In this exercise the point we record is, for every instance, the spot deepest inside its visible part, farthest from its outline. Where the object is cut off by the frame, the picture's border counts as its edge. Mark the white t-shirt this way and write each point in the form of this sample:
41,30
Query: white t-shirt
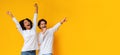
30,36
46,40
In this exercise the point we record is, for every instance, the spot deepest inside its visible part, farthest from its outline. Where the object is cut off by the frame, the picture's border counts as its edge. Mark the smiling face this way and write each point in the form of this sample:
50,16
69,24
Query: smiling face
42,23
27,24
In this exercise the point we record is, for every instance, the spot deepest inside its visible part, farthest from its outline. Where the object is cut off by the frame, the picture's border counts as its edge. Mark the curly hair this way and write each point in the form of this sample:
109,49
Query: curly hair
22,23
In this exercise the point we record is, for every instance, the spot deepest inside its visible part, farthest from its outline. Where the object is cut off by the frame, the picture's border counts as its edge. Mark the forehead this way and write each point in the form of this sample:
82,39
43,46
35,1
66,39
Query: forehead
42,22
26,21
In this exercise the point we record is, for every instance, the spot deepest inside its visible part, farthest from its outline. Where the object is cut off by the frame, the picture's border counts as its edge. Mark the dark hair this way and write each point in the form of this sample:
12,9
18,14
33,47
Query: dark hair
39,22
22,23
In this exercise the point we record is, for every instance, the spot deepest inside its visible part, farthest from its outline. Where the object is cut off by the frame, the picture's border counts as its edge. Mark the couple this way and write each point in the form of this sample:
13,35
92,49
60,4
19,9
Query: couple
32,41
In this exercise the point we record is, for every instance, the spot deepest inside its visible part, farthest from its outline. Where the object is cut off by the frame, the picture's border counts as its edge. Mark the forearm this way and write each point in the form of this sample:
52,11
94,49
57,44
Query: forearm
10,14
35,16
62,21
35,19
36,8
17,24
55,27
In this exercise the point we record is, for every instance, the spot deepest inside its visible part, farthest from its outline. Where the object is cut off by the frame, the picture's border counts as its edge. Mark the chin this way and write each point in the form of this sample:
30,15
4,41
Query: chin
29,27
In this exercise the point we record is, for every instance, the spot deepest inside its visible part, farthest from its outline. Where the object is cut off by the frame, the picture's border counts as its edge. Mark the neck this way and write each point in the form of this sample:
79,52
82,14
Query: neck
43,30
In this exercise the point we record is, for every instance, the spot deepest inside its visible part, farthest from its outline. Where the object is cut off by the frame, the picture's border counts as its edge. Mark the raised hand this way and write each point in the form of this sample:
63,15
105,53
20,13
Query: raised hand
64,20
36,6
10,14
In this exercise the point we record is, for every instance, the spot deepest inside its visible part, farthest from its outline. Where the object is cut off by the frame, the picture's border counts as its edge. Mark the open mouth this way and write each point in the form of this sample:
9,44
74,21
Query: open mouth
44,27
28,25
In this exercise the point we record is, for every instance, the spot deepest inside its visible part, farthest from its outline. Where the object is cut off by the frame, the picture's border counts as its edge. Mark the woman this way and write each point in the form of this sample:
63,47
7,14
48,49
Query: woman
28,31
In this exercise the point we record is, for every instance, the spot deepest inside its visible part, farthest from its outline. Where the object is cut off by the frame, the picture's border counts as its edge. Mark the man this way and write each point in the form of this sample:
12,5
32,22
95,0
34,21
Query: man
46,36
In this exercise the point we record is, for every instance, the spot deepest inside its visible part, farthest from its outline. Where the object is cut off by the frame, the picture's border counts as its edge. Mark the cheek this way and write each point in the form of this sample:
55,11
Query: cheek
28,22
41,25
25,24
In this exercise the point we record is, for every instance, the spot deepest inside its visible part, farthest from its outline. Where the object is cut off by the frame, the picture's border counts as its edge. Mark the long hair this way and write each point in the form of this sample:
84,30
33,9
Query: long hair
22,23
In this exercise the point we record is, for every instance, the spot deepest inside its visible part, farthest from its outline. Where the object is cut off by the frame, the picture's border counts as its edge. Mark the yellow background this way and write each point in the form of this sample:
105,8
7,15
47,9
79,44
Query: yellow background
92,27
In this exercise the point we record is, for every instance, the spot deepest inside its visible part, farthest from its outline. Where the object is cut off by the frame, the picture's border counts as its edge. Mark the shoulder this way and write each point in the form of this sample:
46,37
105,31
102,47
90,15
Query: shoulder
49,29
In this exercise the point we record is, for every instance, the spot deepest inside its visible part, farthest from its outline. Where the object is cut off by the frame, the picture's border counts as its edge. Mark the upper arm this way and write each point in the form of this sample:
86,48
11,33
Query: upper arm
35,20
17,25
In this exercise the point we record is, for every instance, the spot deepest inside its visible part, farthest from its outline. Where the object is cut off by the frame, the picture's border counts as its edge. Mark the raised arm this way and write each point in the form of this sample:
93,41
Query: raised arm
54,28
62,21
35,16
16,22
10,14
36,8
